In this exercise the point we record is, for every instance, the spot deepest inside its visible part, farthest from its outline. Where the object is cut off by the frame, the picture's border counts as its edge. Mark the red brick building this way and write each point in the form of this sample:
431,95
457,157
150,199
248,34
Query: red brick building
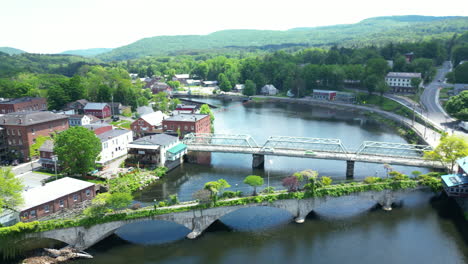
187,123
98,128
148,124
23,104
53,197
99,110
22,128
188,108
46,153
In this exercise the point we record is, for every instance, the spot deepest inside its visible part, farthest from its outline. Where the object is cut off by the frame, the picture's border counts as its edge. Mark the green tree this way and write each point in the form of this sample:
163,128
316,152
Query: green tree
457,105
224,83
377,66
254,181
34,148
205,109
448,151
77,149
10,190
108,202
56,97
215,187
461,73
326,180
173,84
249,88
415,82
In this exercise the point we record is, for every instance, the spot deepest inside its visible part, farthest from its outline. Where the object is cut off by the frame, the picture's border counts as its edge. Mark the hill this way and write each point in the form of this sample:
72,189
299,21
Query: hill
11,51
378,30
86,52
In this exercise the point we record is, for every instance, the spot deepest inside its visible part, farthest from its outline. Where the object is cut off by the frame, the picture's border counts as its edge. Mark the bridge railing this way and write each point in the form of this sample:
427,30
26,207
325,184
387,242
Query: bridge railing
306,144
392,149
220,140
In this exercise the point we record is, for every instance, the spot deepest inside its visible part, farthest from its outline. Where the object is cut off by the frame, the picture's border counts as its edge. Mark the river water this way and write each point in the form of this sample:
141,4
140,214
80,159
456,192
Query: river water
423,228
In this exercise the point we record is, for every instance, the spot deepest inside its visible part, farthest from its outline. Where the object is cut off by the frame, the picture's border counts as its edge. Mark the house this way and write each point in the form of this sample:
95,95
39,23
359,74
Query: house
269,89
46,155
158,87
456,185
155,150
324,95
77,106
143,110
148,124
99,110
118,108
22,128
345,97
400,82
459,87
23,104
409,57
238,88
191,82
82,120
182,78
114,144
186,108
209,83
53,197
187,123
98,128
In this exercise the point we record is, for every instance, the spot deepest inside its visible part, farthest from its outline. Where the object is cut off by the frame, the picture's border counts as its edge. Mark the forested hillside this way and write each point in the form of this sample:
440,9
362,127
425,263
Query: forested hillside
86,52
11,51
376,31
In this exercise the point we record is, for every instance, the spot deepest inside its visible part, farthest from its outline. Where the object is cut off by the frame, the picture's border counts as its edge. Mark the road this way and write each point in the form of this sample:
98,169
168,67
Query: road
30,178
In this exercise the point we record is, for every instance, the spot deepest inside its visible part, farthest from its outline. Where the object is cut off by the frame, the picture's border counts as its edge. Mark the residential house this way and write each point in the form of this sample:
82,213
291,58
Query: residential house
182,78
82,120
191,82
23,104
119,109
324,95
114,144
456,185
155,150
400,82
78,106
3,146
409,57
148,124
98,128
209,83
238,88
187,123
269,89
53,197
157,87
99,110
22,128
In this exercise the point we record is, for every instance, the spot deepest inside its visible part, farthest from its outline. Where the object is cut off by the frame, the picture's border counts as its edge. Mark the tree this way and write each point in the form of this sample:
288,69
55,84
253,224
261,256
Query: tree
448,151
215,187
249,88
205,109
291,182
173,84
224,83
108,202
10,190
377,66
456,105
461,73
77,149
203,195
56,97
34,148
371,83
326,180
415,82
254,181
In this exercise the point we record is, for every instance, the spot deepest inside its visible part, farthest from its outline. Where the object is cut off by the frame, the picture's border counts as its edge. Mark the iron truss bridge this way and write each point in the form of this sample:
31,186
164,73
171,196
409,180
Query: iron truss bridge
315,148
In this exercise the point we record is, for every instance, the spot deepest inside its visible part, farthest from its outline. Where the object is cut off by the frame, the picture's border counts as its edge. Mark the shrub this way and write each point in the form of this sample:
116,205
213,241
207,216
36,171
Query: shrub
326,181
270,189
173,199
371,180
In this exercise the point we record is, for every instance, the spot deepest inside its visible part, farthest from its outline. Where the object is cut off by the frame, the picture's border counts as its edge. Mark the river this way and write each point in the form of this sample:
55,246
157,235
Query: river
423,228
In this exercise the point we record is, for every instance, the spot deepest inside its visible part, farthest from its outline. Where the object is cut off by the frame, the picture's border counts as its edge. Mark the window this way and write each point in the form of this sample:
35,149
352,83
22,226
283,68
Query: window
46,208
33,131
185,127
61,203
75,197
33,213
25,214
165,126
192,127
88,192
13,132
19,132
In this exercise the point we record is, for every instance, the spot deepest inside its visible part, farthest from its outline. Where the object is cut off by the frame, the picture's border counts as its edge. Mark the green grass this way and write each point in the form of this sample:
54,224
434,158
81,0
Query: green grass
122,124
444,93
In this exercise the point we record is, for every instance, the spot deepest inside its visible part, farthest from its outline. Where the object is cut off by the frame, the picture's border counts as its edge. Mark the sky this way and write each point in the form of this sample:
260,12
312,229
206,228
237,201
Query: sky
53,26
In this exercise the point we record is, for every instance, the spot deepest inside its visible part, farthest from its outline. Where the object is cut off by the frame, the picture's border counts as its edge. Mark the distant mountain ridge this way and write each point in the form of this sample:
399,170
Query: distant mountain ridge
11,51
86,52
377,30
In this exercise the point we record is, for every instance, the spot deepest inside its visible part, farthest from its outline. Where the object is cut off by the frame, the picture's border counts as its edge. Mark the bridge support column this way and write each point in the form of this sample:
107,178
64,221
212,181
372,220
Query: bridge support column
258,161
349,168
387,200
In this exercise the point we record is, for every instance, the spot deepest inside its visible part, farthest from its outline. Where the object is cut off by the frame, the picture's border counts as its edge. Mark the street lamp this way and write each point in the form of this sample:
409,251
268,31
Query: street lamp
54,158
268,173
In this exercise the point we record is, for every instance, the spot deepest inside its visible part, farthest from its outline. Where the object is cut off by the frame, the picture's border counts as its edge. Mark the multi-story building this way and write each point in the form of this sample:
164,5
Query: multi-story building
46,155
99,110
400,82
456,185
53,197
114,144
148,124
23,104
22,128
3,147
187,123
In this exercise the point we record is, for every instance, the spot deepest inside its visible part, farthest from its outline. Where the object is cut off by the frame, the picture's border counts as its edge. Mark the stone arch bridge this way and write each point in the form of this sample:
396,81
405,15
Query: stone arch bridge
198,220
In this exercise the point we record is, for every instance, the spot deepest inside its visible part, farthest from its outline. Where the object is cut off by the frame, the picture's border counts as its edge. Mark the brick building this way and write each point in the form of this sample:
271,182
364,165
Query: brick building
188,108
148,124
99,110
187,123
55,196
46,153
98,128
23,104
22,128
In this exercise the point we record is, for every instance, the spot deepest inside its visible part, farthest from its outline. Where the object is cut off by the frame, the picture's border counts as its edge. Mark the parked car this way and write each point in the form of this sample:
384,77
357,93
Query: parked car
115,118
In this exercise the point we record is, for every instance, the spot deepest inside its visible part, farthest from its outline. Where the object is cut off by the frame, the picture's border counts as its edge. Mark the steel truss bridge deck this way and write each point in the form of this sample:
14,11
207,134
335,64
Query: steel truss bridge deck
315,148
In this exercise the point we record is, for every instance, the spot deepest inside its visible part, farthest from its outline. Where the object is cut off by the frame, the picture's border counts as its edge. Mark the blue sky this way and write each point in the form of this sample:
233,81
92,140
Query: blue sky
51,26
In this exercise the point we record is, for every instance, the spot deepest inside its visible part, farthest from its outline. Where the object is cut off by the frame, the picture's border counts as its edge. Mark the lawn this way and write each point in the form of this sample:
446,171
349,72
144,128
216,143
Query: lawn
122,124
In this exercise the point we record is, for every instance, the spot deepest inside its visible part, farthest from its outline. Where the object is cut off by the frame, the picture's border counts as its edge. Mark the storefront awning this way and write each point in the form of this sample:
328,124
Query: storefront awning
177,148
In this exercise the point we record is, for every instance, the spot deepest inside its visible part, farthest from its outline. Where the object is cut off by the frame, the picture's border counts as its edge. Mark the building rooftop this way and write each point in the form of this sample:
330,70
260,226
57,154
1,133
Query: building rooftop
95,106
108,135
47,146
52,191
143,110
96,126
154,118
19,100
452,180
187,117
182,76
404,75
29,118
158,139
323,91
186,106
463,164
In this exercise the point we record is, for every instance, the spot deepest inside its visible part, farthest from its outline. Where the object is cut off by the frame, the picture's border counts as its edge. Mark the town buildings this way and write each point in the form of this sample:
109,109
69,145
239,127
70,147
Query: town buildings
156,150
182,78
82,120
269,89
119,109
53,197
324,95
187,123
22,128
23,104
456,185
400,82
78,106
98,128
190,109
148,124
99,110
47,158
114,144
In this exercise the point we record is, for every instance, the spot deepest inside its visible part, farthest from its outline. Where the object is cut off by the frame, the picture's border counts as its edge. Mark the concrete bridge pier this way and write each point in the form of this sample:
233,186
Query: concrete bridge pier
387,200
258,161
350,169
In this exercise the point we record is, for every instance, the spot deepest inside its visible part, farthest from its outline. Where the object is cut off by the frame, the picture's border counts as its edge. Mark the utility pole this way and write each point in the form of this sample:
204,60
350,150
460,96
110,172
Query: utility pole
54,158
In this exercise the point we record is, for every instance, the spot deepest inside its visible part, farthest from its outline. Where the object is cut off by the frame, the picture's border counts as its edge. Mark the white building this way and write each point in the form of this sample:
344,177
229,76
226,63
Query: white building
114,144
81,120
400,82
269,89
